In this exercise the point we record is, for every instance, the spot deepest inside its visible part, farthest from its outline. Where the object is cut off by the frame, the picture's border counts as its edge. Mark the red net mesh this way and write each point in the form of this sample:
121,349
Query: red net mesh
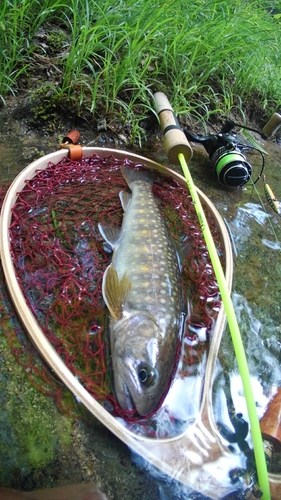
60,259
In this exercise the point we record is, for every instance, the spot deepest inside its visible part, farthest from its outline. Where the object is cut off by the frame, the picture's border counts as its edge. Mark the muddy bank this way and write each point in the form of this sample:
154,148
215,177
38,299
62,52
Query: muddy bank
24,137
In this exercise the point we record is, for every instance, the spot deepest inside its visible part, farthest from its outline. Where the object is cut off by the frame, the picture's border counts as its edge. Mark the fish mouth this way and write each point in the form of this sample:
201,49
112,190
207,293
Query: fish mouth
124,394
130,396
127,401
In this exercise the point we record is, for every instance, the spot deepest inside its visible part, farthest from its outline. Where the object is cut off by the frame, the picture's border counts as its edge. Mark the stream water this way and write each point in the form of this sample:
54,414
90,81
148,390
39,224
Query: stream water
60,450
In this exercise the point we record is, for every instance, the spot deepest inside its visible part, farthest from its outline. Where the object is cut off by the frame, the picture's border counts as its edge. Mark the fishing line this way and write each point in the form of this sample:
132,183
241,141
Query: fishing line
173,144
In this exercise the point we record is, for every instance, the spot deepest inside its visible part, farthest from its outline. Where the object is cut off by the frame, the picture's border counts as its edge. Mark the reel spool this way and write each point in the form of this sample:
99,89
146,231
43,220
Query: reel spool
231,167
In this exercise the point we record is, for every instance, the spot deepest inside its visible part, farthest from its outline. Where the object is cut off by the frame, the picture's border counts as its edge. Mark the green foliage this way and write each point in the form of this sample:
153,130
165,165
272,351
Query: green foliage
207,55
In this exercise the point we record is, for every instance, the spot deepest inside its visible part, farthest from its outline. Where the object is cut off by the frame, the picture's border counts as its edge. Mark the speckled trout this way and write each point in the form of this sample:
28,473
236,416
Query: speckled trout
142,289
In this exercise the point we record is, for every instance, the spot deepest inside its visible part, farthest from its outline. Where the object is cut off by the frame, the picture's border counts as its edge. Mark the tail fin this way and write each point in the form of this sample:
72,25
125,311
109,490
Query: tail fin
132,175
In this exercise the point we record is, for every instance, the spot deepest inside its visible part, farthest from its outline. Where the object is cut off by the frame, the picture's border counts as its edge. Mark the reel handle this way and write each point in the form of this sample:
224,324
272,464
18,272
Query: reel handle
174,139
272,125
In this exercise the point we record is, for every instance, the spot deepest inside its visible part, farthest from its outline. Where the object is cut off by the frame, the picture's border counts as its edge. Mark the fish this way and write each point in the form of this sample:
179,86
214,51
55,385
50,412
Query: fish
142,289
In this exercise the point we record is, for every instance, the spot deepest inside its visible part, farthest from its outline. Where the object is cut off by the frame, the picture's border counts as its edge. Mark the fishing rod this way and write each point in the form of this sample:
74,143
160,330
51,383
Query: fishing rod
179,152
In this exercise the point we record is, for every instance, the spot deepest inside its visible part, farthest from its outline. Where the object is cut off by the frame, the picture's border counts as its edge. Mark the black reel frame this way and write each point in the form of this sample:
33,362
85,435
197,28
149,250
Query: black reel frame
227,154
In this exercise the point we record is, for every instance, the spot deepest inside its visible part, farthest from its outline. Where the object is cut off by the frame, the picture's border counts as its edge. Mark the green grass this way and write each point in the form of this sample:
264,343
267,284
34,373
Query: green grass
209,56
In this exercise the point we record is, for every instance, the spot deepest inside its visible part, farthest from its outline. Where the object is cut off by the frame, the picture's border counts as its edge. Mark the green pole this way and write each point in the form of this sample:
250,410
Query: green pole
235,334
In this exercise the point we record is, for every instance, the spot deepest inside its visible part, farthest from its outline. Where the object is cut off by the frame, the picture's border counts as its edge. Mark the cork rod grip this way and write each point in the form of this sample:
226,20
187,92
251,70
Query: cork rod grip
272,125
174,138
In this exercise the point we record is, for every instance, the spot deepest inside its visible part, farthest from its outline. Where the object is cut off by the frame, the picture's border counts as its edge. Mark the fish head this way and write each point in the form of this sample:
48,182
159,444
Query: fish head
141,363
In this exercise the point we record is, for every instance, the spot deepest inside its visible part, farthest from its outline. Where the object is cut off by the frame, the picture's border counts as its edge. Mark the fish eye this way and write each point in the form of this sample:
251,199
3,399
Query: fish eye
147,375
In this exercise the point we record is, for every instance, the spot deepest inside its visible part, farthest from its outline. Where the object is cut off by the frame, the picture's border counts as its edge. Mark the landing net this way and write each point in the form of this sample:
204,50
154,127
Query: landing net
60,258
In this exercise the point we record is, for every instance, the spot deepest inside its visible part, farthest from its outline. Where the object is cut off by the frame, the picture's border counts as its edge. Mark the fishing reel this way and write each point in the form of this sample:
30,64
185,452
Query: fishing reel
227,154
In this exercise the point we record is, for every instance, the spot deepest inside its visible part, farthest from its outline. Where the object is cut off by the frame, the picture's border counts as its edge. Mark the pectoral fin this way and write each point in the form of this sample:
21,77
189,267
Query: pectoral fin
114,291
110,234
